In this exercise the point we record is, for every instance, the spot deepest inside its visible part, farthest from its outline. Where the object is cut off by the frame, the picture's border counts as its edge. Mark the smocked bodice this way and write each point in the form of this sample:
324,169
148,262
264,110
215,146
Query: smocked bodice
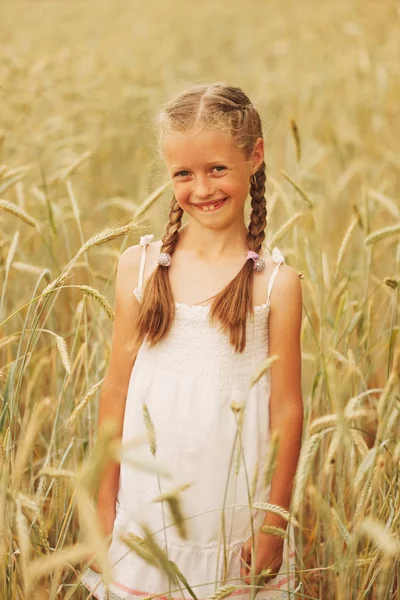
194,347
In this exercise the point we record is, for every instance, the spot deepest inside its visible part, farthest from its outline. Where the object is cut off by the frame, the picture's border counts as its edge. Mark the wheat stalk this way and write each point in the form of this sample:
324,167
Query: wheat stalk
143,208
386,542
24,449
43,566
21,523
79,408
285,228
331,420
359,442
158,552
382,234
274,530
56,283
345,244
344,532
172,498
362,500
278,510
8,339
63,350
12,251
18,212
138,545
262,369
151,434
307,455
27,268
386,202
66,172
388,389
270,462
299,189
391,282
107,235
296,137
102,300
55,472
223,592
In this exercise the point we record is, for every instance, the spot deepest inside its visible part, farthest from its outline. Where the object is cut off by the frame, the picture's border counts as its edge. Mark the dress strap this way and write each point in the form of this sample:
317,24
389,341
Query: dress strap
144,242
280,259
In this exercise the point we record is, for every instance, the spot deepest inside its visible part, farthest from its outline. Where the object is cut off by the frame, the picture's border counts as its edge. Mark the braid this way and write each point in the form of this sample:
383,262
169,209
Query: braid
174,224
233,304
258,217
157,310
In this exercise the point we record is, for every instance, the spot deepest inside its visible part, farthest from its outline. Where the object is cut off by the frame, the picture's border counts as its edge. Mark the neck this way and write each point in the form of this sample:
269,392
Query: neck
214,244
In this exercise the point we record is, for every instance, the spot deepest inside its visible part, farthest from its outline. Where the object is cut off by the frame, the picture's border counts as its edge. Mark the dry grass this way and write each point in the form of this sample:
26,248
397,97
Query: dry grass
80,83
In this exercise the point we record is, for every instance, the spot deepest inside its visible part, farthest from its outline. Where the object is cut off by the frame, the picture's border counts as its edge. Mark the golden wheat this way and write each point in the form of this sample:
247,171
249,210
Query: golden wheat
18,212
82,181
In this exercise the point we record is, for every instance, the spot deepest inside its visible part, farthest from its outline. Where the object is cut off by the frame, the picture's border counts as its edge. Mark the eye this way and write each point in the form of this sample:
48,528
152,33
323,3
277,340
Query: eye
181,174
219,167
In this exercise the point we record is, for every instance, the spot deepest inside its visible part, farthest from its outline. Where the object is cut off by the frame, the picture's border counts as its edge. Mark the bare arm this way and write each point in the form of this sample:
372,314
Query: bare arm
286,404
122,358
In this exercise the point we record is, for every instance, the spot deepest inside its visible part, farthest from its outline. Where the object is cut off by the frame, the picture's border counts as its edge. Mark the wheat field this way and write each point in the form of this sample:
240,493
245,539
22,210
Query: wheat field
80,181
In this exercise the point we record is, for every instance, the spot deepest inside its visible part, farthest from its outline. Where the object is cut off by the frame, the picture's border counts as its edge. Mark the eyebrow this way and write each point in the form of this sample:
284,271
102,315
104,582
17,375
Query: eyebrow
213,162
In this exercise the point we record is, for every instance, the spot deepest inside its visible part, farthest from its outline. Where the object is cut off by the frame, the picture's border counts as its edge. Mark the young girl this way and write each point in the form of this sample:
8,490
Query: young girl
208,306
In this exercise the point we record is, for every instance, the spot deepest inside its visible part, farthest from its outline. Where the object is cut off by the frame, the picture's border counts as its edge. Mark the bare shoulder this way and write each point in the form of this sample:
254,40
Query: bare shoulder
130,256
128,269
286,293
288,280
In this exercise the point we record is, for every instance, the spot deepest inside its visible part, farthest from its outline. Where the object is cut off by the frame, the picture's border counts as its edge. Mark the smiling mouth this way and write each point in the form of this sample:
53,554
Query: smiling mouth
211,206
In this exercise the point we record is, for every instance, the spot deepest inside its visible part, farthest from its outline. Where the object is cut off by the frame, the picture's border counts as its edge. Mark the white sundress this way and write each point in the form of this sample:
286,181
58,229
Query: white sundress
189,381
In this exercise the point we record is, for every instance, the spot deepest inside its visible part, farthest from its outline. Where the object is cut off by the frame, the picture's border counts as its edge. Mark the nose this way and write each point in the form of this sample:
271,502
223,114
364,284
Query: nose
204,187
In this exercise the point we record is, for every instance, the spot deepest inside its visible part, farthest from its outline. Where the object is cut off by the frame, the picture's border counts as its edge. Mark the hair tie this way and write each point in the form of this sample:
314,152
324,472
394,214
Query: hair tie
164,259
259,263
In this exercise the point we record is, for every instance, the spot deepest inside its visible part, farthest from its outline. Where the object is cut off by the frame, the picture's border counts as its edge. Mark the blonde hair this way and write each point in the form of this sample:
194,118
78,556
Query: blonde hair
228,109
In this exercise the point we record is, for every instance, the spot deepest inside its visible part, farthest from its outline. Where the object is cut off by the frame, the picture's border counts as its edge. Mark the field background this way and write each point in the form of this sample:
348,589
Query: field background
80,83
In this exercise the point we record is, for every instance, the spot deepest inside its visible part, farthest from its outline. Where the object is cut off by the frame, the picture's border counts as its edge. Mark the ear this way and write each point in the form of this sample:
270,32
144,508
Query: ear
258,155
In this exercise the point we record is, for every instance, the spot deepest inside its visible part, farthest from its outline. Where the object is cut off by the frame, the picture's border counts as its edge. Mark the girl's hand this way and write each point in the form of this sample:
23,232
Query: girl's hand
96,568
269,550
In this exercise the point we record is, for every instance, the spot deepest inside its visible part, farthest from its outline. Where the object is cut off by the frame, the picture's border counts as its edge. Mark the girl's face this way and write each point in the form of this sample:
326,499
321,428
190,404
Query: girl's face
210,175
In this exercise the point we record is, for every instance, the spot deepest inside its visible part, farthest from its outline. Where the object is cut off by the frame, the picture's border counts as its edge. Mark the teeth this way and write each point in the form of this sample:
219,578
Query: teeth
209,207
